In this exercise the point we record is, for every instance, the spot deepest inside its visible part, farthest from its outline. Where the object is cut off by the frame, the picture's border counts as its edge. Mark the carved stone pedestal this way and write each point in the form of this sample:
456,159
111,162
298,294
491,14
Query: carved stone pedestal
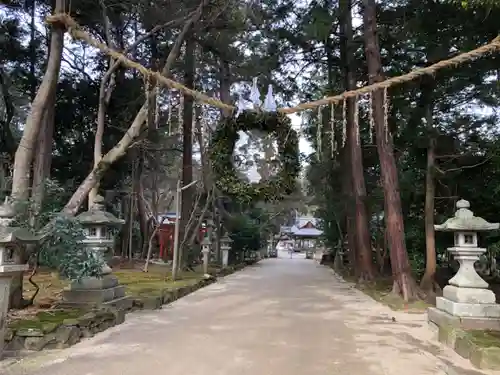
95,293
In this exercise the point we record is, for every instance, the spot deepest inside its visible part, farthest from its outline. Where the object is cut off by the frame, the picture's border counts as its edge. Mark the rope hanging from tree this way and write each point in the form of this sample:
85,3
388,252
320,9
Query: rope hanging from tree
356,121
370,117
386,115
169,114
77,33
344,122
333,141
319,131
180,114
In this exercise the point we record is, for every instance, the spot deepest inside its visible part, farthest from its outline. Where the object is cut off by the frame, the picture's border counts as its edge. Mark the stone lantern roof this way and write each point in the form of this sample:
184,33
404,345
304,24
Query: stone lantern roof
464,220
98,215
10,234
206,241
225,238
13,234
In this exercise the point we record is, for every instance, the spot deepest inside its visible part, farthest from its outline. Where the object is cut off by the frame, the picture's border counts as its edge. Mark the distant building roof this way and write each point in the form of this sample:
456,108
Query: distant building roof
306,232
303,220
166,217
285,229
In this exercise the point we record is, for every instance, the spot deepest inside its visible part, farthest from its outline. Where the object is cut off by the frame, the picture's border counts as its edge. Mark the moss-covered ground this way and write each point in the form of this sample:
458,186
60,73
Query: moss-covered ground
485,339
138,284
45,320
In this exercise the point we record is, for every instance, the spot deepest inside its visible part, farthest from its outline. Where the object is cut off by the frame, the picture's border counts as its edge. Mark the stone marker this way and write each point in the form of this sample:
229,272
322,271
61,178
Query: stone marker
206,246
225,247
466,302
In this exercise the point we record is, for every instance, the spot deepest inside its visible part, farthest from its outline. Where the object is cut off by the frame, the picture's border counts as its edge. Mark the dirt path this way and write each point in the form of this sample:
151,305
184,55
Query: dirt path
280,317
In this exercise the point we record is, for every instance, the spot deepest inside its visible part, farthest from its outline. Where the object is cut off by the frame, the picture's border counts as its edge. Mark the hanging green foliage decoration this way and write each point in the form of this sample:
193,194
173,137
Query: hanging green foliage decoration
221,155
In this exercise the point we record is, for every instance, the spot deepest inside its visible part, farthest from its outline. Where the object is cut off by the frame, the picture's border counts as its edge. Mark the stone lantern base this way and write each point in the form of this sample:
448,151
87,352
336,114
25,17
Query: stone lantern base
466,302
441,318
6,274
93,292
467,308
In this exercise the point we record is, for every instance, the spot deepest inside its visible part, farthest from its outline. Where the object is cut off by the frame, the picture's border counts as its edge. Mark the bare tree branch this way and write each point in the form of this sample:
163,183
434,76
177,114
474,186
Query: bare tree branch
135,128
464,167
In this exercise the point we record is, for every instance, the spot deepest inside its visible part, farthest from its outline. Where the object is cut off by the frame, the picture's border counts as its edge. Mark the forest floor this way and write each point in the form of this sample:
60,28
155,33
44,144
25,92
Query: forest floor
381,291
280,316
137,283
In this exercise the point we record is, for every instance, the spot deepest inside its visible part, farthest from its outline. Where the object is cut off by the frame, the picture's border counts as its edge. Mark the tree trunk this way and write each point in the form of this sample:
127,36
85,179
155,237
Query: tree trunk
349,212
33,54
154,166
43,157
225,85
125,229
138,197
187,140
404,283
99,134
40,115
363,248
41,172
105,91
428,282
25,151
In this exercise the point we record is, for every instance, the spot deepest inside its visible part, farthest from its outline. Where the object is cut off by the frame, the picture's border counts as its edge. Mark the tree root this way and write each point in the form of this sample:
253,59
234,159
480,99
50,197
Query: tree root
34,271
405,286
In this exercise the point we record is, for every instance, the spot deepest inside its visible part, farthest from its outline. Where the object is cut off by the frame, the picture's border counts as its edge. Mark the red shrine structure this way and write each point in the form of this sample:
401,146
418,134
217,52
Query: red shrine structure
166,234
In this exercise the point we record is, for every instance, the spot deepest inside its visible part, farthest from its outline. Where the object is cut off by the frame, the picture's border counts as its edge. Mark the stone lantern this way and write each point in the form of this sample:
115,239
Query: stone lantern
11,239
270,245
466,301
225,244
210,233
99,226
206,246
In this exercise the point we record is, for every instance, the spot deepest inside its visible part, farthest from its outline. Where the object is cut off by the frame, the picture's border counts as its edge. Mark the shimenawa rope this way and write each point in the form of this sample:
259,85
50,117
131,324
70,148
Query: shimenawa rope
76,32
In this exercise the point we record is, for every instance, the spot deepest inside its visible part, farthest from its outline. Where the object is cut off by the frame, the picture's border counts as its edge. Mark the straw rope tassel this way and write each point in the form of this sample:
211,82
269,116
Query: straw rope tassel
169,116
319,131
371,119
356,120
333,143
180,113
146,96
157,105
194,119
386,115
344,122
